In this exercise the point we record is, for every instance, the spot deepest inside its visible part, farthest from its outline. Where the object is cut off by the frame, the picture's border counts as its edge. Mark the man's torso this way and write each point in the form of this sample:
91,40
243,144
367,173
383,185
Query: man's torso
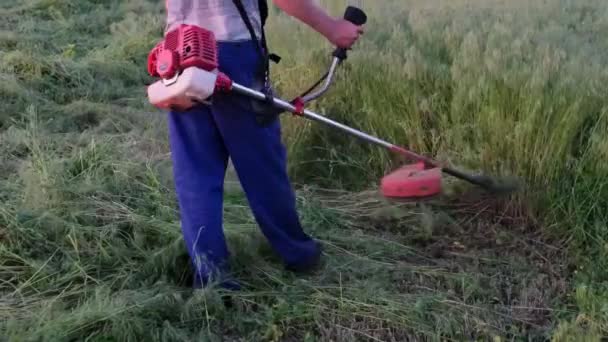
220,16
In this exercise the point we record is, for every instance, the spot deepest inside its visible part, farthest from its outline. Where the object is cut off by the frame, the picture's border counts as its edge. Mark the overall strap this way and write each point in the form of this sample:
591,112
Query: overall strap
267,113
260,43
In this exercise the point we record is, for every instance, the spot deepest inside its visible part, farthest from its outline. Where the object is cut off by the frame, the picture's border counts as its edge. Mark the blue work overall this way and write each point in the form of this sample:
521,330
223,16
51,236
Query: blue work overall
201,140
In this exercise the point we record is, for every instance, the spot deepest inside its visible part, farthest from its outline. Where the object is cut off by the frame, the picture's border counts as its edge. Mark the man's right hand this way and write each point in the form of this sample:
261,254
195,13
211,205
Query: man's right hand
344,34
340,32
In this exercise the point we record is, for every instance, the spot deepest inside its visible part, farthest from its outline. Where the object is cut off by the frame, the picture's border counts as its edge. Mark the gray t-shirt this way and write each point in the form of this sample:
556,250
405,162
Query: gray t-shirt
218,16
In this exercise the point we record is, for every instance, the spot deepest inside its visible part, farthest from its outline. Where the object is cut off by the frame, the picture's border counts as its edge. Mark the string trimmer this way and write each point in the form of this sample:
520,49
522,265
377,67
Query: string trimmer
186,62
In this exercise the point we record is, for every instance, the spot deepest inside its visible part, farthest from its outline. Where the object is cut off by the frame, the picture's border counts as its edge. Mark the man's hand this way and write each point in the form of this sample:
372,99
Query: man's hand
338,31
344,34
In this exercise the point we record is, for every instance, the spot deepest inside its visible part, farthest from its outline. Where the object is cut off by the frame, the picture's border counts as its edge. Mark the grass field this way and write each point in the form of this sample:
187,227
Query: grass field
90,244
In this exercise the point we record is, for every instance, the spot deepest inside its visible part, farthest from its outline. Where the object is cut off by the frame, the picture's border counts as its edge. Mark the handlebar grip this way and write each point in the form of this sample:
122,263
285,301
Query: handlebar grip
356,16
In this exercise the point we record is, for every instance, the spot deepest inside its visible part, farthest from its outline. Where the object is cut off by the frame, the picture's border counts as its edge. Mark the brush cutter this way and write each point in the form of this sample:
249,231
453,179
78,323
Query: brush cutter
186,62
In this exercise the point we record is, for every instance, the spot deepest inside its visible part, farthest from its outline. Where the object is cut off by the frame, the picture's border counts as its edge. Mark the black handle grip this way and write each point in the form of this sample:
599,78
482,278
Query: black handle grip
356,16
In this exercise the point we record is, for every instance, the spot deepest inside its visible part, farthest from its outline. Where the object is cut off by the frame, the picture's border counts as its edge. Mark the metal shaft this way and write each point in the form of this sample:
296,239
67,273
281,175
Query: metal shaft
369,138
311,115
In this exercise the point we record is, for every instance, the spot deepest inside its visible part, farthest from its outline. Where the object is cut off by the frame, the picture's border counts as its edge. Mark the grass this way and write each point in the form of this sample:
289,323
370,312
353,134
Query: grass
90,245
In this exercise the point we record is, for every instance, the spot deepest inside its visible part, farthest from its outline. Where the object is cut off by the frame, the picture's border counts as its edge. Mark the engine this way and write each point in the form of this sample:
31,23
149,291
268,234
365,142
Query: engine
186,62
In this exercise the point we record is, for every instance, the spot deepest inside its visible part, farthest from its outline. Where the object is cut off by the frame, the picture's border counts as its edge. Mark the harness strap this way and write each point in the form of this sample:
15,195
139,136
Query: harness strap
245,17
260,43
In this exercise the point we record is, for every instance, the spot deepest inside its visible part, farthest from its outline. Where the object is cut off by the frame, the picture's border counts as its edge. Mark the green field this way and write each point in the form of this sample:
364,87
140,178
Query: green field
90,242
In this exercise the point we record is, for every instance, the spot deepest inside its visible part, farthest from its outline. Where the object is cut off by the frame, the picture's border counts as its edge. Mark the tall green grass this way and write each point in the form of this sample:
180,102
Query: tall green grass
89,237
504,87
508,87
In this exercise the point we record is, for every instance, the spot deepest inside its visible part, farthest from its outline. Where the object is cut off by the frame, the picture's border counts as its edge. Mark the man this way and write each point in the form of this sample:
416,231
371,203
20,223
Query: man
203,138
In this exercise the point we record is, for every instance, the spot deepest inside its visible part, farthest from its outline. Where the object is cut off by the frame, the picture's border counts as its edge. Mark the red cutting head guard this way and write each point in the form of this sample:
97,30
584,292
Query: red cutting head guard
412,181
184,47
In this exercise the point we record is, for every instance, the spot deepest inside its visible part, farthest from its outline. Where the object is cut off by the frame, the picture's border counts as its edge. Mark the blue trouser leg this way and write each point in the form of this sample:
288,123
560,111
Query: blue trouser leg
199,162
201,140
260,160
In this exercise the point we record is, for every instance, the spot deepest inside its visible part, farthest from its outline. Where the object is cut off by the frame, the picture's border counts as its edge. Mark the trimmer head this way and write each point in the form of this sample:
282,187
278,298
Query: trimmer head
412,181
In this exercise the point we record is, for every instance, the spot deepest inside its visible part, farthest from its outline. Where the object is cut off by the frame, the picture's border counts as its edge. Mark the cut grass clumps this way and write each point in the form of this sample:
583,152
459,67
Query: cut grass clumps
104,259
99,255
60,58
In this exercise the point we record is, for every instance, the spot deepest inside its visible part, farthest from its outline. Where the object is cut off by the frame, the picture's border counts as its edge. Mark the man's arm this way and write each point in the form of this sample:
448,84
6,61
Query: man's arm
338,31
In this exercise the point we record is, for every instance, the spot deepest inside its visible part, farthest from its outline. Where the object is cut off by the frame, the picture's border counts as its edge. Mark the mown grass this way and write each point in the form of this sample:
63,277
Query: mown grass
90,246
92,249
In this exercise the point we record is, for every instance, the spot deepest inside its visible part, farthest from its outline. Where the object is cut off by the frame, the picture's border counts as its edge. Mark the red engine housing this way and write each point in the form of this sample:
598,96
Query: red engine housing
184,47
